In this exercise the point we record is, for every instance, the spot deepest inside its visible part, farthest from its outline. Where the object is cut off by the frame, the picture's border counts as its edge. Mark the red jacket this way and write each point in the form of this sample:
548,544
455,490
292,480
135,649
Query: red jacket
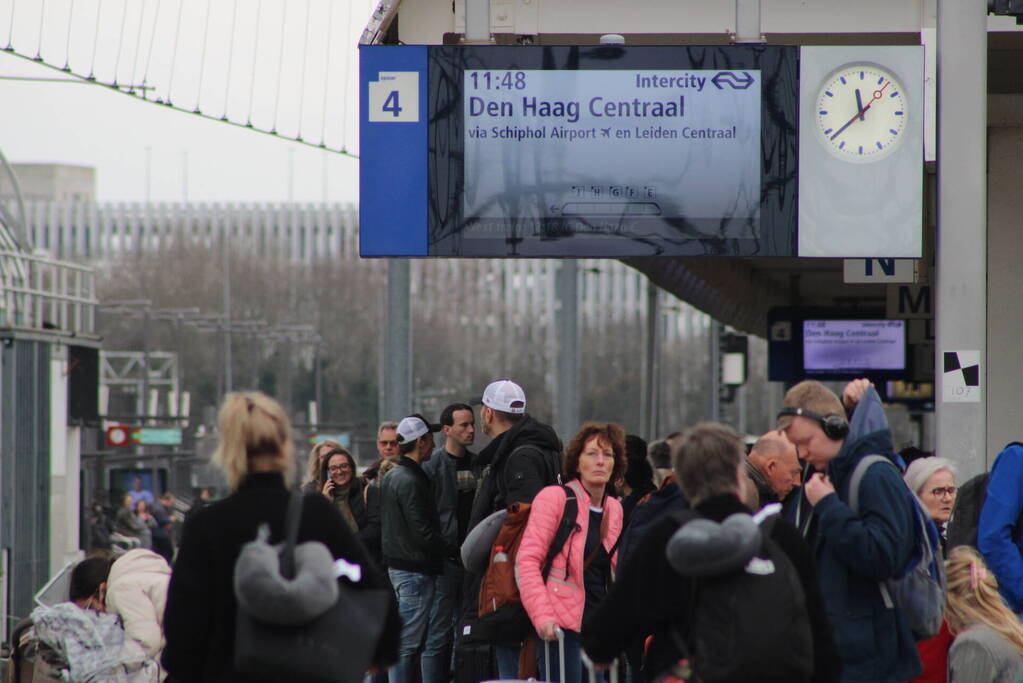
562,598
934,656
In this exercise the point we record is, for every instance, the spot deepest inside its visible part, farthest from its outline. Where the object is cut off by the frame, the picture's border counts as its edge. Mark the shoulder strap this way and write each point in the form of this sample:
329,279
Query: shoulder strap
565,529
857,478
291,521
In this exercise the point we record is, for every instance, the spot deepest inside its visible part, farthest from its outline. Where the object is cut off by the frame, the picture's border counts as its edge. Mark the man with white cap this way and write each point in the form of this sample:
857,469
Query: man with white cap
413,546
524,456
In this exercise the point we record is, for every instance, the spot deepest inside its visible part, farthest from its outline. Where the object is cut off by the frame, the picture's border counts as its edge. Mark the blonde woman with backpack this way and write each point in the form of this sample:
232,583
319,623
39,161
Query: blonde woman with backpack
988,643
255,454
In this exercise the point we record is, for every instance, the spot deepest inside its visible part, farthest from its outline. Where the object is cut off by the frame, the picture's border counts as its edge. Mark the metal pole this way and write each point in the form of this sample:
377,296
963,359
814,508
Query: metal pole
714,339
747,22
648,403
396,401
226,267
567,391
961,254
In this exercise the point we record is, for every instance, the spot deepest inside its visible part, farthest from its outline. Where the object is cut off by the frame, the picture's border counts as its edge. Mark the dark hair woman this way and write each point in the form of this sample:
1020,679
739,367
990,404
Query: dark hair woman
256,456
355,499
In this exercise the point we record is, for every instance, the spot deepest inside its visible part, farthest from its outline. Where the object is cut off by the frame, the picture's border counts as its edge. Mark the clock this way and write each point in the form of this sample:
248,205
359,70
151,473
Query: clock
861,113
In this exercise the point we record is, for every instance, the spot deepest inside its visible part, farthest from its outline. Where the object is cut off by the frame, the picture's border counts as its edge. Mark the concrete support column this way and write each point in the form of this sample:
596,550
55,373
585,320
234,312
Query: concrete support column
961,255
396,385
567,390
650,405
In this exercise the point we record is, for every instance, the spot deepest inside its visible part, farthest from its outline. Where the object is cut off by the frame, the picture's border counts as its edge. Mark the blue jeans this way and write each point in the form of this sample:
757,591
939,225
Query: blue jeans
437,659
507,657
573,665
414,592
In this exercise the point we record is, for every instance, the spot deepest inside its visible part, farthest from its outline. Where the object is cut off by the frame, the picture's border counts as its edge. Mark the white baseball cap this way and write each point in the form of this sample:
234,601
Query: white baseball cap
413,427
506,396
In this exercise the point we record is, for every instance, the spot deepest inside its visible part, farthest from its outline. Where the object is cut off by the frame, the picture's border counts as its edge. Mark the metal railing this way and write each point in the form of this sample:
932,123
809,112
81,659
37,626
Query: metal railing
40,292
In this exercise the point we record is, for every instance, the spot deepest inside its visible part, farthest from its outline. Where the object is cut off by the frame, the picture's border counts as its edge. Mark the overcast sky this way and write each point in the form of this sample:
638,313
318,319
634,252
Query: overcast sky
295,70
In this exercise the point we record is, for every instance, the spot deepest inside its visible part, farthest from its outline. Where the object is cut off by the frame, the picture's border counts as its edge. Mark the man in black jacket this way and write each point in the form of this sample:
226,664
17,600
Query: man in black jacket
414,548
524,456
651,598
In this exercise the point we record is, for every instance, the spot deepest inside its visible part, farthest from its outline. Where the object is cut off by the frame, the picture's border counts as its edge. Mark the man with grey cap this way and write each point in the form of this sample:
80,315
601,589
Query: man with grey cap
413,546
524,456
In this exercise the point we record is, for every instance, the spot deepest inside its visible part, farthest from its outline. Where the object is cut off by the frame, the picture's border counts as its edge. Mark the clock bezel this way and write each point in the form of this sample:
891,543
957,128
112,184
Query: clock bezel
848,156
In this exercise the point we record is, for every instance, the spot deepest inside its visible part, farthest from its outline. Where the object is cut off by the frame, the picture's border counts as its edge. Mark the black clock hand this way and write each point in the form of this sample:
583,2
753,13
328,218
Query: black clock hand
859,114
859,103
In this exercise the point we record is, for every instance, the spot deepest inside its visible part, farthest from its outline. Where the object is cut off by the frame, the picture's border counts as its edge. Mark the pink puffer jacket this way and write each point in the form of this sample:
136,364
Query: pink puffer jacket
562,598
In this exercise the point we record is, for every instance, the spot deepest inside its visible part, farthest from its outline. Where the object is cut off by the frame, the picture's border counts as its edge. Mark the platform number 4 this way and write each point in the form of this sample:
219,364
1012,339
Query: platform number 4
394,97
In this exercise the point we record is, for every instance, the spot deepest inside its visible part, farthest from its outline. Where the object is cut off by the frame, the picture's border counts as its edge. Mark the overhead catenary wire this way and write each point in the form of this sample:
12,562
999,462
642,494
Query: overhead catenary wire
255,53
280,70
326,75
120,42
230,58
202,61
305,59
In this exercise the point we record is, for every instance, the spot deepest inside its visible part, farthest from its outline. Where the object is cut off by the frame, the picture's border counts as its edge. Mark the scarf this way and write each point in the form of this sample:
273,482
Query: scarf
341,501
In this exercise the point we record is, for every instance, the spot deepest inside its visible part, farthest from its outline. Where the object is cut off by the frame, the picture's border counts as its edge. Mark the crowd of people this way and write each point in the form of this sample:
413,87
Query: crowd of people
698,556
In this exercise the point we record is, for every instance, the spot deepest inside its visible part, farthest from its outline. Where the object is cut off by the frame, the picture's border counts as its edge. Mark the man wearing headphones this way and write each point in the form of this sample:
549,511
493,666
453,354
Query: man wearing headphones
855,552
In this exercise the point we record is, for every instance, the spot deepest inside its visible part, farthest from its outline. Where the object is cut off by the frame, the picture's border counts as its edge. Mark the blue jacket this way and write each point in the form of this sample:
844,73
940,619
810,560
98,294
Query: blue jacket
855,552
1002,507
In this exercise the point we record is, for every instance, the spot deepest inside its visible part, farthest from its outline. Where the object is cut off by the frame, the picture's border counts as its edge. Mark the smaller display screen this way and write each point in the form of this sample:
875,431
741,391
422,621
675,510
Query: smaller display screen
831,346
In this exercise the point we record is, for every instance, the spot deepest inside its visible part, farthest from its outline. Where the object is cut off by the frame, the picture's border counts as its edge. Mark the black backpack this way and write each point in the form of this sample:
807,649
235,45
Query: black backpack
962,528
748,622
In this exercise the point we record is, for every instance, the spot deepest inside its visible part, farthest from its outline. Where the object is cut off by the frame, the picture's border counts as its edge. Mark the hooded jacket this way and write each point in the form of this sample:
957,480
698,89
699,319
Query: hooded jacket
137,591
522,461
854,553
650,598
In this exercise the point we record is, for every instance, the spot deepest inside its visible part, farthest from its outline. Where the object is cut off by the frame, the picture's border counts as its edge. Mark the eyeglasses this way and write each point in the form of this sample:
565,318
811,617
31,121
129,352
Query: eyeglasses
943,491
387,443
339,468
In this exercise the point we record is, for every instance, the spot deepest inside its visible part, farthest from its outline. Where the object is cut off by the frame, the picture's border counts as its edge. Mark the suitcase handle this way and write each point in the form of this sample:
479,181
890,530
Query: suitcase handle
591,668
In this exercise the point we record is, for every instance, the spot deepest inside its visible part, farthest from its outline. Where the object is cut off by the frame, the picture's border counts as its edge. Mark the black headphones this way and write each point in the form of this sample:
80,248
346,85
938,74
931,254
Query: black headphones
835,427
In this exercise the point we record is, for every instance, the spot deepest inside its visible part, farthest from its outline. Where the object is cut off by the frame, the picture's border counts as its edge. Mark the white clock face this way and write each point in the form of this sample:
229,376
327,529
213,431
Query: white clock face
861,113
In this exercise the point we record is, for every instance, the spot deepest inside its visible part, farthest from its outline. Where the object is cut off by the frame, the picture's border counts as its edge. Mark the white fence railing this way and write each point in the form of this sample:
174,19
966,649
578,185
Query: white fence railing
44,293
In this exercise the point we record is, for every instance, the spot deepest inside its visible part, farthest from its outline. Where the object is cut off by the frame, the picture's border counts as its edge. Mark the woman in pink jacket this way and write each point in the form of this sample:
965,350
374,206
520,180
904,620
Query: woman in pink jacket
581,573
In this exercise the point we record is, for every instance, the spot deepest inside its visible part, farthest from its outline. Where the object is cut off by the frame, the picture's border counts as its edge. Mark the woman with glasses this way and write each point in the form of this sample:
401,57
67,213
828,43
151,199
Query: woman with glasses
355,499
316,466
933,480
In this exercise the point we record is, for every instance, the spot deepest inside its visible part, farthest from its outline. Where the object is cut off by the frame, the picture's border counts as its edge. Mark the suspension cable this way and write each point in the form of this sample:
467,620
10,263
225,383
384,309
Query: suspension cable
230,58
305,57
280,70
255,53
120,42
152,41
174,55
42,22
67,47
326,74
95,41
348,68
138,43
202,61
